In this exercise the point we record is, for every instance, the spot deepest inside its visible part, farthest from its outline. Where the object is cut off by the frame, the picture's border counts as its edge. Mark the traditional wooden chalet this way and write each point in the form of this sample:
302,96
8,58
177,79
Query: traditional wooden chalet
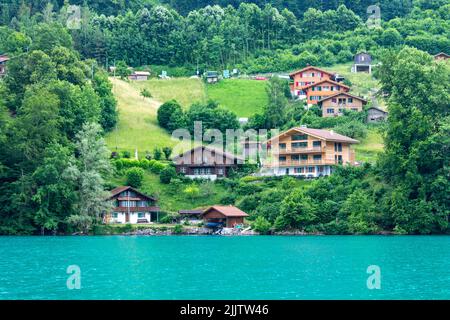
316,92
308,152
205,162
307,76
362,63
139,76
223,216
441,56
3,60
335,105
132,206
376,115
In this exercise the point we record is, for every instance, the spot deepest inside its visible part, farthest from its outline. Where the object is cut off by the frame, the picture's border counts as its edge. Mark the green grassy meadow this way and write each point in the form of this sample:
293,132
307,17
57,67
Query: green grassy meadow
137,127
243,97
369,148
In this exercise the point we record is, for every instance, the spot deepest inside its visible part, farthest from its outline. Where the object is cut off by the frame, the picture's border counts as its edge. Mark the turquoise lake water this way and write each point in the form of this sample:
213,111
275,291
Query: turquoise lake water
207,267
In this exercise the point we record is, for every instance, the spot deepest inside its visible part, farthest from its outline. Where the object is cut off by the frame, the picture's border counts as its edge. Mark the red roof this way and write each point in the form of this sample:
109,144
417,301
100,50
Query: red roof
310,67
227,211
326,80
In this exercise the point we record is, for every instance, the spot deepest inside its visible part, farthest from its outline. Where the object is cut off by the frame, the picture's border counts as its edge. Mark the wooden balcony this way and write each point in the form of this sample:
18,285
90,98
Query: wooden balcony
300,150
293,163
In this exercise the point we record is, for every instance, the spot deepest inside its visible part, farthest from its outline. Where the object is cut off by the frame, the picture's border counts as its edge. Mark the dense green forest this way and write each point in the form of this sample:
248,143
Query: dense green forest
56,104
274,36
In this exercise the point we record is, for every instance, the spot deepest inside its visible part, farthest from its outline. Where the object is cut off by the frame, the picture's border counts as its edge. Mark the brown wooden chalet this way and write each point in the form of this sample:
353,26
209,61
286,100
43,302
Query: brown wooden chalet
206,163
132,206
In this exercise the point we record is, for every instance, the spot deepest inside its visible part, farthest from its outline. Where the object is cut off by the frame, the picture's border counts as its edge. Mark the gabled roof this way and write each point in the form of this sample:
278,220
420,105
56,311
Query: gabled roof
210,149
320,134
442,54
384,111
310,67
119,190
346,94
326,80
227,211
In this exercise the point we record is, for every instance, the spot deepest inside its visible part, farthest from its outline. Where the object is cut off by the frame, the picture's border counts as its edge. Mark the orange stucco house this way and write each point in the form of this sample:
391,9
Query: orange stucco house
335,105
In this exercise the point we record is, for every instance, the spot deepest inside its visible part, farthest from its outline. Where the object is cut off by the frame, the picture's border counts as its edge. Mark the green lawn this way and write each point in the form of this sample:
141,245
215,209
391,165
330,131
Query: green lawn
243,97
185,90
370,147
137,127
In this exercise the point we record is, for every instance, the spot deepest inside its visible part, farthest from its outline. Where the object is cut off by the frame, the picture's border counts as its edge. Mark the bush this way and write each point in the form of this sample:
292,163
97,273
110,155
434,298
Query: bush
167,174
165,111
135,176
261,225
126,154
352,129
157,154
178,229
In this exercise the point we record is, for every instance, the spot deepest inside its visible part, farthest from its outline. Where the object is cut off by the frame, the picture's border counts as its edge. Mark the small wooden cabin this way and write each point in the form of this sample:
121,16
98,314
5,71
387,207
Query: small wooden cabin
139,76
211,77
441,56
376,115
226,216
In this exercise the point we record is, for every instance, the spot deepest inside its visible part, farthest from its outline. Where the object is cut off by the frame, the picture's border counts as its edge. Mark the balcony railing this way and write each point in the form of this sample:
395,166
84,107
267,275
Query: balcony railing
299,150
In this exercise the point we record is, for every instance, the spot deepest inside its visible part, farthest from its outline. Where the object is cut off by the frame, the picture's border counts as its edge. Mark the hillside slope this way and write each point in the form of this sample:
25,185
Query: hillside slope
137,127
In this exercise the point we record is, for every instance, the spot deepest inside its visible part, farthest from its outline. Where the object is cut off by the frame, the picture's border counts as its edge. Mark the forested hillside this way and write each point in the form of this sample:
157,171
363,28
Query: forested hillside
57,105
274,36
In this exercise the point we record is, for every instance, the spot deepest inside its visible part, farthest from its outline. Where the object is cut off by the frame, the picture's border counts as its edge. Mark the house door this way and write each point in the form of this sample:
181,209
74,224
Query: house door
287,171
127,217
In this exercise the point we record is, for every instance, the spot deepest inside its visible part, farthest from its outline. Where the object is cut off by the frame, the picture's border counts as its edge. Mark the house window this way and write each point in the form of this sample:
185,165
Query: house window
304,157
311,169
338,147
299,144
141,215
338,158
220,171
282,158
297,137
320,169
319,88
330,110
350,100
282,145
183,169
317,143
354,109
295,157
115,215
317,157
333,100
299,170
